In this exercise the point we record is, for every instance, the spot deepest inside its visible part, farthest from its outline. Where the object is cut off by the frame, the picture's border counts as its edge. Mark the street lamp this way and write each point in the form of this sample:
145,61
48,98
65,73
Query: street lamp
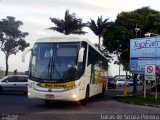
136,30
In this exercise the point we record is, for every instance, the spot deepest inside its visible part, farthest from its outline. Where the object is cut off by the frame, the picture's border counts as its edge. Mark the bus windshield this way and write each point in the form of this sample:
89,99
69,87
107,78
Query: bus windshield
54,62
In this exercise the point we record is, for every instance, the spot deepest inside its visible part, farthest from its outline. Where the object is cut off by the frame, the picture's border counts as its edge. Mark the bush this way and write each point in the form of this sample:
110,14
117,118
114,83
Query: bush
158,88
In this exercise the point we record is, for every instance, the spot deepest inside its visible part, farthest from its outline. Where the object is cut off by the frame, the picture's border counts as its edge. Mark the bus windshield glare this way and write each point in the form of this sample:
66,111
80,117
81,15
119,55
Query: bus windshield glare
54,62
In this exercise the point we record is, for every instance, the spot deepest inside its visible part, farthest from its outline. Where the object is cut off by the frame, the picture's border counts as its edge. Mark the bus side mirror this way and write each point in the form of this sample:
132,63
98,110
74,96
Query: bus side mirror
24,53
81,54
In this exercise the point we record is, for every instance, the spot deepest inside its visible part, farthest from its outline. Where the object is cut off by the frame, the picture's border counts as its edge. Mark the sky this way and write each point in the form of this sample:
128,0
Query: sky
35,16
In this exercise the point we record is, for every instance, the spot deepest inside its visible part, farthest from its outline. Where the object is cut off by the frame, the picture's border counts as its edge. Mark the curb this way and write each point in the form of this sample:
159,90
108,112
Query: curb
131,102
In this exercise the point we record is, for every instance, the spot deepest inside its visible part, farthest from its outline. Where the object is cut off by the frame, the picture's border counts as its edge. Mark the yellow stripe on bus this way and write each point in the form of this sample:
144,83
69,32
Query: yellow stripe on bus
57,85
100,81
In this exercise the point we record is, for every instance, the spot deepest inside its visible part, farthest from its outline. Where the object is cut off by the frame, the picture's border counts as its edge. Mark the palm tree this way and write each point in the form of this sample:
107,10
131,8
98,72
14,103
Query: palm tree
98,28
70,25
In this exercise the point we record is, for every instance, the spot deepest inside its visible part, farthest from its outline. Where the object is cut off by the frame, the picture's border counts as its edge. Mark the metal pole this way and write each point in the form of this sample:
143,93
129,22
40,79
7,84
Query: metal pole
125,89
136,34
119,71
144,88
156,90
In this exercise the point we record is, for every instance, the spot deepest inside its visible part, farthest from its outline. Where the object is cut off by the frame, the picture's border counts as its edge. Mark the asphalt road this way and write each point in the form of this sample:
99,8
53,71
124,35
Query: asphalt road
19,107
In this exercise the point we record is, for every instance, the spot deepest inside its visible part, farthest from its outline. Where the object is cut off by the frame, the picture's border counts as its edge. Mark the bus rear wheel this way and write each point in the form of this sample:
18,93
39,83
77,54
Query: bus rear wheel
1,89
85,101
103,90
47,101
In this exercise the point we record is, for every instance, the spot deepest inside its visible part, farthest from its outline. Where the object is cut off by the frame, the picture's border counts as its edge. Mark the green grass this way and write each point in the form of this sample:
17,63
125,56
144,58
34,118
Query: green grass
140,100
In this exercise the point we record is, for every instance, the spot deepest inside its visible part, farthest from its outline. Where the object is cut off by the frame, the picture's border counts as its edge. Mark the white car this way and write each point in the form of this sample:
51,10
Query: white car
120,82
14,83
130,82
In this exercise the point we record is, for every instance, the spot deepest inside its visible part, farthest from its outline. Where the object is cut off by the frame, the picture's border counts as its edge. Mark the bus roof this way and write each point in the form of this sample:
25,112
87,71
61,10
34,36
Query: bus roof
61,39
68,38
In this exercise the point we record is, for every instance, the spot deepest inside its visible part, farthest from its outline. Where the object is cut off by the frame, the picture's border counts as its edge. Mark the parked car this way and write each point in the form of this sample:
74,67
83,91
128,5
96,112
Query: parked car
139,82
14,83
120,82
111,82
122,77
130,82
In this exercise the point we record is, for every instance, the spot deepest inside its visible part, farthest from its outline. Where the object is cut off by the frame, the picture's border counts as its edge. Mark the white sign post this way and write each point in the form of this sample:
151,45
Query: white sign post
150,74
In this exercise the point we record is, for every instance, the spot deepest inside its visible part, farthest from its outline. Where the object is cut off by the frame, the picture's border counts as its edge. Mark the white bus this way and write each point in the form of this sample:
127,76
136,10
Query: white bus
66,68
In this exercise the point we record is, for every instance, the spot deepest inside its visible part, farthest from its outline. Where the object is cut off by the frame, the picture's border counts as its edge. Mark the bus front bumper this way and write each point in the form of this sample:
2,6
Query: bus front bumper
70,95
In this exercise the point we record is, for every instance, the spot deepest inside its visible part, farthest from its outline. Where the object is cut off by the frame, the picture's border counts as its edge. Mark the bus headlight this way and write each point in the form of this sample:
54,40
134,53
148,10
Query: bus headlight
78,84
70,88
74,95
29,94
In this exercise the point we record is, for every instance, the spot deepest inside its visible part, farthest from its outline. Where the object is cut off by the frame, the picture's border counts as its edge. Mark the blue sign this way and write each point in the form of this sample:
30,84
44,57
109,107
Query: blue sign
144,51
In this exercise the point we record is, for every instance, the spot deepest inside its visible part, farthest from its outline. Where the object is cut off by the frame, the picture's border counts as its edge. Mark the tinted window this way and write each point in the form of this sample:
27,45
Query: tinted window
22,79
12,79
120,80
96,59
110,79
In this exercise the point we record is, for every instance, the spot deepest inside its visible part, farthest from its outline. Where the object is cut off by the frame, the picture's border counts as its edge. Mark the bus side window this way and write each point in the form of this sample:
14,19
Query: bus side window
92,57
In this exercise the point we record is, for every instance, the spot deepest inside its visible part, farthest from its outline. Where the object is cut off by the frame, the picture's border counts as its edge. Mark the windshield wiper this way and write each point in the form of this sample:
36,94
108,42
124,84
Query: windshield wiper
51,68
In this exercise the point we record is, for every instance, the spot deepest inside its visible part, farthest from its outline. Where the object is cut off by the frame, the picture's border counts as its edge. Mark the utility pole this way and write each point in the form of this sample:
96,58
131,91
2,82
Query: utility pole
137,30
135,75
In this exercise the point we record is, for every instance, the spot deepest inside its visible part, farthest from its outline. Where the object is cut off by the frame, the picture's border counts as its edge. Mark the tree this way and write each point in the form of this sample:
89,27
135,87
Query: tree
117,38
11,38
70,25
98,27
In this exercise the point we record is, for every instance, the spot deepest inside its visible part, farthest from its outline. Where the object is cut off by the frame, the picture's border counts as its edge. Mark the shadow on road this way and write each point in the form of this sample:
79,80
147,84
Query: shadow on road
69,104
13,93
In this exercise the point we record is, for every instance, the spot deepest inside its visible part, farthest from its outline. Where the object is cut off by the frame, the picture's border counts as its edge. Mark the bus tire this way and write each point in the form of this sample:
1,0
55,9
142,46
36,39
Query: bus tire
85,100
25,93
47,101
1,89
103,90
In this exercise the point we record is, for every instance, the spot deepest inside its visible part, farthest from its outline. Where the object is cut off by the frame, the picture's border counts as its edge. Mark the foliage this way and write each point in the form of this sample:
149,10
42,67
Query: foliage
98,27
140,100
70,25
117,38
11,38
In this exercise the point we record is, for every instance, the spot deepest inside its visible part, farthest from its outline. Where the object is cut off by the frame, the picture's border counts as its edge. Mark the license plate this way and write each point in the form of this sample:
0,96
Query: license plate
49,96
